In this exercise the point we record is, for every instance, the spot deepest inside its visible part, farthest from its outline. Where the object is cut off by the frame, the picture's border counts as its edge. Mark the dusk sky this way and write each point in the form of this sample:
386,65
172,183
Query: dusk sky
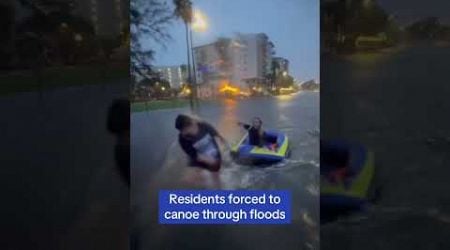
292,25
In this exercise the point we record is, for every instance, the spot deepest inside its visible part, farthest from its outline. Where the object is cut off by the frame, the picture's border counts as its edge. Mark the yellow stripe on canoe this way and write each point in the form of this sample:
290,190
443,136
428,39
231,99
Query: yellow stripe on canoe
265,151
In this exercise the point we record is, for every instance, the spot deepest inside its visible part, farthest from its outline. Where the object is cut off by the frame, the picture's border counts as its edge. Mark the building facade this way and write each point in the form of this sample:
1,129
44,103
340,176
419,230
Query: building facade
209,64
175,75
243,60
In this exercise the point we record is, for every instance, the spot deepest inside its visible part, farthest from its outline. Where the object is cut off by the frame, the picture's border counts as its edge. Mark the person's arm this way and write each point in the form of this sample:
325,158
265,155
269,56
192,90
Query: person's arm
211,163
188,148
211,130
244,125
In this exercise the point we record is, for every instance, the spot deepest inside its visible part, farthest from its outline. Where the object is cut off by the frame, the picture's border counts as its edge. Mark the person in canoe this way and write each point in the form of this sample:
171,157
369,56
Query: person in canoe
200,141
257,136
334,162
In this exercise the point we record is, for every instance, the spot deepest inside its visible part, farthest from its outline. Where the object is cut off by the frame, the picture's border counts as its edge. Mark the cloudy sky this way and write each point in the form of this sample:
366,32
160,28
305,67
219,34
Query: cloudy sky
292,25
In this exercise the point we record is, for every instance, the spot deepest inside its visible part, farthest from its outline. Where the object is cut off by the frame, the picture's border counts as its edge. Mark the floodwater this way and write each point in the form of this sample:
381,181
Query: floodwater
395,103
157,162
62,189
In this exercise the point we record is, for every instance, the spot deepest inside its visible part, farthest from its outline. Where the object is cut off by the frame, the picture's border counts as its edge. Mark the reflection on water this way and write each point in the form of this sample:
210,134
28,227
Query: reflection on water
392,106
227,124
297,116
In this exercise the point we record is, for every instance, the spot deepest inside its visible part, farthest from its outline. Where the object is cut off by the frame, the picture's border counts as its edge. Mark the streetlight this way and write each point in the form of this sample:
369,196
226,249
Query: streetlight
199,21
199,24
285,73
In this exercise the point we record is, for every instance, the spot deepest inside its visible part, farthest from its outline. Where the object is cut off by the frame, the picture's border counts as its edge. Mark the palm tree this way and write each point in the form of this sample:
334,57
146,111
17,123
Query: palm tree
183,10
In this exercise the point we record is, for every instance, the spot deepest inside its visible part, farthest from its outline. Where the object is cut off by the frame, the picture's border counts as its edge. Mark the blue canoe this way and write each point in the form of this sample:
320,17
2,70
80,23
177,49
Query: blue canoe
245,153
353,193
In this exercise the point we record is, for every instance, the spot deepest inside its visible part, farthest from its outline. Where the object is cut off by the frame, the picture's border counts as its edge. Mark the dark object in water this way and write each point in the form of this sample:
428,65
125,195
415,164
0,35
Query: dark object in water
351,192
118,123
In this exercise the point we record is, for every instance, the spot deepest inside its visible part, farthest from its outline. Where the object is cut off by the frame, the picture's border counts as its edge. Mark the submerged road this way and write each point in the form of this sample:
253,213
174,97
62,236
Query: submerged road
60,186
396,103
157,162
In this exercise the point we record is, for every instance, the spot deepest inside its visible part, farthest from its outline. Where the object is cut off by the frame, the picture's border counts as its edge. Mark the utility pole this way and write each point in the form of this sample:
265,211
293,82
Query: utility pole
191,101
194,71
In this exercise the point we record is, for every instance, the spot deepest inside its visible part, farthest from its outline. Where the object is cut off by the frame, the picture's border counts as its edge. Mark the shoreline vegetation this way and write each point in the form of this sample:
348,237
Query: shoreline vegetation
153,105
387,50
142,106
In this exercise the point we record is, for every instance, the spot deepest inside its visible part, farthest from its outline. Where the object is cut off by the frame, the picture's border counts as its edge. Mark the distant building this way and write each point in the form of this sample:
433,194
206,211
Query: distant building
242,60
280,65
256,52
175,75
209,64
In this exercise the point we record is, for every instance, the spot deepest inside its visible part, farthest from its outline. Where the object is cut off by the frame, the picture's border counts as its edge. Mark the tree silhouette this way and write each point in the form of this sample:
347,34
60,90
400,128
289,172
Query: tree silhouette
284,81
183,10
427,28
55,24
366,20
353,18
148,22
7,16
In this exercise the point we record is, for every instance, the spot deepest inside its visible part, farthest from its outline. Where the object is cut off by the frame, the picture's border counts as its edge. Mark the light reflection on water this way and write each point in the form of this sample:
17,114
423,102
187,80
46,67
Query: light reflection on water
382,104
297,117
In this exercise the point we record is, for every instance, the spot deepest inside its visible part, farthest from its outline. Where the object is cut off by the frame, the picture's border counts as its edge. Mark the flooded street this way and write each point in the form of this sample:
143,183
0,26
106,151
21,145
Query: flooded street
61,182
157,162
394,103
